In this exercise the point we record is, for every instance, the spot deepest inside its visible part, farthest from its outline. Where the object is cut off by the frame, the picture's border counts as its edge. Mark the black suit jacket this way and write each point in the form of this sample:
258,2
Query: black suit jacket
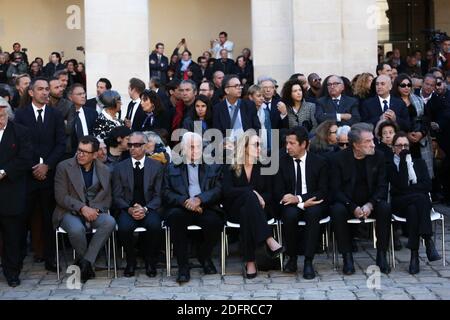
275,115
49,142
344,178
227,67
159,69
236,189
139,118
222,119
176,186
316,178
123,184
400,182
371,111
91,104
326,110
91,116
15,159
196,73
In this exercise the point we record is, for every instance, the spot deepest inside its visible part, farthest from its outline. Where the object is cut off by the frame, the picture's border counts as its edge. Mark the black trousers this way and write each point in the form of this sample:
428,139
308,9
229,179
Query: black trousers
151,239
13,229
416,209
43,200
179,219
340,214
254,230
290,216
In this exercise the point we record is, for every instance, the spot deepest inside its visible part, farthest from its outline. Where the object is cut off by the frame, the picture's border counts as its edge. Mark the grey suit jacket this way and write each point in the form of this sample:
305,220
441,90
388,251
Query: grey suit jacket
123,184
326,110
69,189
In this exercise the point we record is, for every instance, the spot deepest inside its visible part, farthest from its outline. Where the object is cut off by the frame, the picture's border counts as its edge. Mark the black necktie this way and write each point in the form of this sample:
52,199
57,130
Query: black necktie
298,181
336,102
130,110
78,126
386,107
138,165
40,122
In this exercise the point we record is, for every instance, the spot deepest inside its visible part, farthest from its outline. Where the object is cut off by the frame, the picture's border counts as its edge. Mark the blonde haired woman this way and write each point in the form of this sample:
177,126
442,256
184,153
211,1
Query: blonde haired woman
248,201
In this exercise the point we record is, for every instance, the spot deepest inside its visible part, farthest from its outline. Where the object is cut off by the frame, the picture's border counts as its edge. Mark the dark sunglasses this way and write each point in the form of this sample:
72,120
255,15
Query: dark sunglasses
438,84
135,145
404,85
343,144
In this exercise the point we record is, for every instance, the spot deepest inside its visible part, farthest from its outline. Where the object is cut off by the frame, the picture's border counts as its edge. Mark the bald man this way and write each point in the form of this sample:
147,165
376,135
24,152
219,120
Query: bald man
384,106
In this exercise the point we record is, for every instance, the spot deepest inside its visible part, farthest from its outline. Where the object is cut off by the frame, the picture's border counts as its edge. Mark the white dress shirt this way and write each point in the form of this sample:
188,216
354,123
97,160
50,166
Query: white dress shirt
388,99
2,131
269,105
141,163
301,204
228,45
82,117
36,113
338,115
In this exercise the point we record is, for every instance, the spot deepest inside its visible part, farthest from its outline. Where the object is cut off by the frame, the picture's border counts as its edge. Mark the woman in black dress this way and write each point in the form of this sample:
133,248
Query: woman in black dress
248,201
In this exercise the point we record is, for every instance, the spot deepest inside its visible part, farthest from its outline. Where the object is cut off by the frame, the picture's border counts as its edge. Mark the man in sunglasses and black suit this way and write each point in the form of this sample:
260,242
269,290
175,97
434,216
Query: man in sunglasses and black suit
137,194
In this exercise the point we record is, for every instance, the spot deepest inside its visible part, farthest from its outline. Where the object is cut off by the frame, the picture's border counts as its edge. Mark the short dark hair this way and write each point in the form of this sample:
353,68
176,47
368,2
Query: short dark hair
223,33
201,58
156,81
114,134
186,50
92,141
354,136
106,82
137,84
33,82
301,133
60,73
73,87
387,123
227,79
57,54
380,66
399,134
172,85
159,44
210,85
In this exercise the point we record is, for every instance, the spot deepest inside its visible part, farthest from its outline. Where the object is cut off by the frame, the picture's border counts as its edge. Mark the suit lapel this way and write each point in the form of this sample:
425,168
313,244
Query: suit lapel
202,176
184,176
130,174
351,165
7,139
291,173
101,175
147,175
369,172
308,169
76,178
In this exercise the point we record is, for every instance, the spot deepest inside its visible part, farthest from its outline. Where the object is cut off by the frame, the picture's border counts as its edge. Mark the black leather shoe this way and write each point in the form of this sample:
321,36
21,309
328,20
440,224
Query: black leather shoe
150,270
50,266
291,265
414,265
13,281
275,254
209,267
249,275
432,253
86,270
130,270
382,262
183,275
349,266
308,270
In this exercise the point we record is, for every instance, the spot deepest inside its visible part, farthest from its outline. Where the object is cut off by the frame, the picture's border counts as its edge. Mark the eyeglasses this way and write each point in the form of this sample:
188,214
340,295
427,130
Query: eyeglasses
343,144
80,94
333,132
237,86
439,84
135,145
404,85
402,146
334,84
317,80
84,152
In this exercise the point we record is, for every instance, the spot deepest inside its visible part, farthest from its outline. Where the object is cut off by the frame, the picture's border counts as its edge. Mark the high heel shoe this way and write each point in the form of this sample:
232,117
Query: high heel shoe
249,275
275,254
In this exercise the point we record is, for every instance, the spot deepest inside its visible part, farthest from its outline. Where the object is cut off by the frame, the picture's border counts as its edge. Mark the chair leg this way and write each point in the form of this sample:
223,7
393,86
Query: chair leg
392,246
443,240
374,236
57,255
108,253
335,262
223,250
114,254
168,262
327,246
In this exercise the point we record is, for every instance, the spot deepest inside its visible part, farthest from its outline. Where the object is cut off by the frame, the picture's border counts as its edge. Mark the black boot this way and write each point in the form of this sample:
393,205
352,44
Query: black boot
432,253
308,269
349,267
414,264
382,262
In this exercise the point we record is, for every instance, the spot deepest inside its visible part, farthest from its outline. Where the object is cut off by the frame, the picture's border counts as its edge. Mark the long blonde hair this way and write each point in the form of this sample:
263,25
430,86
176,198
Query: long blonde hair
240,153
360,88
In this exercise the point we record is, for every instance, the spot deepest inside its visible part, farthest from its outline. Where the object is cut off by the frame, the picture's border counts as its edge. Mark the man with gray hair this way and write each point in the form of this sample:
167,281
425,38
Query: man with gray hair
137,194
342,137
192,191
15,160
360,191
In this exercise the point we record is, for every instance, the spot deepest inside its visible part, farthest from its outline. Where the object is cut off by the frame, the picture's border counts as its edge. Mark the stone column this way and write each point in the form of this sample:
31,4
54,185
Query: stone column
272,38
117,43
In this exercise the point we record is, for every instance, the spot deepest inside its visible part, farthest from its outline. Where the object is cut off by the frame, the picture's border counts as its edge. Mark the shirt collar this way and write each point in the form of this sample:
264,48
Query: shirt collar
81,111
337,98
302,159
388,99
107,116
36,108
138,101
229,104
4,129
142,162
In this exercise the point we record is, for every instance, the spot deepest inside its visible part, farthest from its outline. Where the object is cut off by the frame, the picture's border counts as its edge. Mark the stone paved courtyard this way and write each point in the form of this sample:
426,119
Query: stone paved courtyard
432,283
